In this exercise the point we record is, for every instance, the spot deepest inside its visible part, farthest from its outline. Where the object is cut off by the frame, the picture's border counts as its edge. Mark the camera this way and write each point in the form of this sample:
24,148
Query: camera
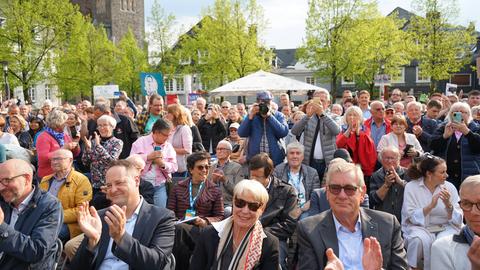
263,108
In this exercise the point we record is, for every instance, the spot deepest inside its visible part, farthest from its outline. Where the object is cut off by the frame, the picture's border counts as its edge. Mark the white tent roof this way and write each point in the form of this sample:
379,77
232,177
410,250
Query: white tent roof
262,80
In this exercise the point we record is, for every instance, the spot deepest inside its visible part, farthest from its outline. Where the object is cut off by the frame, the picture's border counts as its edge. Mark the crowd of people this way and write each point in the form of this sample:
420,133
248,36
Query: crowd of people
324,184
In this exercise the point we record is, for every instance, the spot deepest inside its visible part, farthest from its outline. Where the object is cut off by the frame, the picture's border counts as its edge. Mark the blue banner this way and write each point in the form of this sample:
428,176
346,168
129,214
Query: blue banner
152,83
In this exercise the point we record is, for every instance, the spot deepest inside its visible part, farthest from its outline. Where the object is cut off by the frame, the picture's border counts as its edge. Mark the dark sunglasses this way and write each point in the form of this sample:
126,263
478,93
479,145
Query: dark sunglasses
203,167
379,109
252,206
350,190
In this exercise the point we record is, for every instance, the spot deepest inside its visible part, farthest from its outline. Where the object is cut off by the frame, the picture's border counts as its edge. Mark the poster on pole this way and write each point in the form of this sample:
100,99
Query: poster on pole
106,91
450,89
152,83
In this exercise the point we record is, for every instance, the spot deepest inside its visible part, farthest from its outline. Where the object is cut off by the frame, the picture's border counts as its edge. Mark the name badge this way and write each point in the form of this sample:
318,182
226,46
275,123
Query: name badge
190,213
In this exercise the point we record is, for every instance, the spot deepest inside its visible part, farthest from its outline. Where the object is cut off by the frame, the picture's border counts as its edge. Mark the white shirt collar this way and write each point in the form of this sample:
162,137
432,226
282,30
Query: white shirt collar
137,210
338,225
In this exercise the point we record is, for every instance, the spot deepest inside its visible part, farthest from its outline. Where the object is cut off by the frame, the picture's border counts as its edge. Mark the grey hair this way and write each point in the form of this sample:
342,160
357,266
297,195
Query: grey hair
469,183
356,110
390,148
56,118
324,91
296,145
414,103
227,144
345,167
456,106
64,152
107,118
475,110
103,107
254,188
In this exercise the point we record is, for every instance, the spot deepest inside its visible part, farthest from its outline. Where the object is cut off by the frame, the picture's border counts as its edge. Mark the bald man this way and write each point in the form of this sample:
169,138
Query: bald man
30,219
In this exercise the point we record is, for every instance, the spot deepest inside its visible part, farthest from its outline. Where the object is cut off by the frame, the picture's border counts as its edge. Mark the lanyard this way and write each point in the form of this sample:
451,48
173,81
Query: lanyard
193,200
296,183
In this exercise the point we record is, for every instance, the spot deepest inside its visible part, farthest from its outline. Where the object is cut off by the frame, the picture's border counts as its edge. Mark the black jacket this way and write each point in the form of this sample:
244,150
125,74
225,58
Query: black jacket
205,253
211,132
281,214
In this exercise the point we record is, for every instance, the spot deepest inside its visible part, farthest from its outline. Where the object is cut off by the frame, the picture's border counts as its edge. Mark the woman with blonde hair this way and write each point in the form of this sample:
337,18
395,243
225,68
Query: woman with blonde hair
181,136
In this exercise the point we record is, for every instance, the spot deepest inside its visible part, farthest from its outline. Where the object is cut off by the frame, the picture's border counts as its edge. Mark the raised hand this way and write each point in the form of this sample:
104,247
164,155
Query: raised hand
333,263
90,224
116,219
2,216
372,254
448,132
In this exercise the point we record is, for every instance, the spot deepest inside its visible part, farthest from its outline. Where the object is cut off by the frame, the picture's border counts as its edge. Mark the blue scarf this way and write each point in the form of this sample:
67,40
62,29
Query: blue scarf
58,136
468,233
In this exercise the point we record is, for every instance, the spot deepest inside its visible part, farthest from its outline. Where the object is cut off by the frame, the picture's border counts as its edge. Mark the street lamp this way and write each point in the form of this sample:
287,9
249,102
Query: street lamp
5,77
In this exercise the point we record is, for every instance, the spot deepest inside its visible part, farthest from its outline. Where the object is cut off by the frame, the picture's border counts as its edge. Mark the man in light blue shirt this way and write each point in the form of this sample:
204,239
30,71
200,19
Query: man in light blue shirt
130,234
356,237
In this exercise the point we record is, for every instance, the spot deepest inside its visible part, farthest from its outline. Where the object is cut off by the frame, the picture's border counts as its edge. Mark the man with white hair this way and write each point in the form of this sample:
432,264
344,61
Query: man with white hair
457,252
30,219
320,130
201,104
377,125
225,173
70,187
419,125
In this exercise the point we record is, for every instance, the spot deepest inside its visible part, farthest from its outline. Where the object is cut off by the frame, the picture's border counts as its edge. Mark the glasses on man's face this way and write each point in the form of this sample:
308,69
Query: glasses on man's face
225,107
468,206
252,206
379,109
350,190
222,149
389,112
6,181
233,130
203,167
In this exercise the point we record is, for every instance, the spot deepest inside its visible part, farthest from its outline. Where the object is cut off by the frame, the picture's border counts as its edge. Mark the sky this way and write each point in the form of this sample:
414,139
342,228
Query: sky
286,18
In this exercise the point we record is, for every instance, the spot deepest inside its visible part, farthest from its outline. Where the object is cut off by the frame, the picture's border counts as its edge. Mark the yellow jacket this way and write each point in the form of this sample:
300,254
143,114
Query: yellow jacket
76,190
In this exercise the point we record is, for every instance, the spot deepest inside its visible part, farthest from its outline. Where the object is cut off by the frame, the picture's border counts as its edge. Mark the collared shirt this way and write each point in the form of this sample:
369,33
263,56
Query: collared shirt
111,261
350,245
56,184
151,120
16,211
366,113
377,132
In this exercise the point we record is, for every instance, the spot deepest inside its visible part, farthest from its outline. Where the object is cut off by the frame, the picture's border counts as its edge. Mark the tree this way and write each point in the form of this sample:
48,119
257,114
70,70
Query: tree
225,45
328,47
161,39
33,30
383,47
86,59
443,48
131,60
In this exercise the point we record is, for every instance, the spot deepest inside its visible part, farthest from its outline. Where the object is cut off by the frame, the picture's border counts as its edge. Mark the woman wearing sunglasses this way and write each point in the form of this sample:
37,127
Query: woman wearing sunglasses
239,242
430,209
197,202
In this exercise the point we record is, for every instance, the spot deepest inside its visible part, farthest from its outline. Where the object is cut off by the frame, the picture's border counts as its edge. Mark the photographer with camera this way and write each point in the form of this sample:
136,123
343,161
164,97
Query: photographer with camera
212,128
265,129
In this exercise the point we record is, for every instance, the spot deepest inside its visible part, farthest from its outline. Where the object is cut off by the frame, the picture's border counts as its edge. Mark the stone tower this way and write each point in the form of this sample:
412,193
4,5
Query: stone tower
116,16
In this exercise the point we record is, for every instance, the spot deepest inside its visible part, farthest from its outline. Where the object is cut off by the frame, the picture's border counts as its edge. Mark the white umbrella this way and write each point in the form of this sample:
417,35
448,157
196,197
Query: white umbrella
262,80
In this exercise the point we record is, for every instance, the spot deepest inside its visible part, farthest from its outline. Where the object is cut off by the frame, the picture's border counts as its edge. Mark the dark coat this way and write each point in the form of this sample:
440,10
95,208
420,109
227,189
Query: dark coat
281,213
149,246
31,245
317,233
205,253
428,127
211,132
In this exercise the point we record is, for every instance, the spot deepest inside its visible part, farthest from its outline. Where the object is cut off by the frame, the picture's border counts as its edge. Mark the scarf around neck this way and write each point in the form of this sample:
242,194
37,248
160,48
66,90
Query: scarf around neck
58,136
248,253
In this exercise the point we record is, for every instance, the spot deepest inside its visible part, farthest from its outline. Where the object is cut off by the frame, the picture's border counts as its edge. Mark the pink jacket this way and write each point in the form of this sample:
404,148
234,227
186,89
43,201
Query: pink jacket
143,146
46,145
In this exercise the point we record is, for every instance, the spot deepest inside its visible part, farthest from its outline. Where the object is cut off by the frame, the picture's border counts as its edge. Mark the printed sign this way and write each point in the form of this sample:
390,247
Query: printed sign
106,91
152,83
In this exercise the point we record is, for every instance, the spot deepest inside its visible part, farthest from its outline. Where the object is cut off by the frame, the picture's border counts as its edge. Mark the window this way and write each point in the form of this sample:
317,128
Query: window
201,56
398,76
180,85
421,77
48,92
32,93
169,85
310,80
348,80
461,79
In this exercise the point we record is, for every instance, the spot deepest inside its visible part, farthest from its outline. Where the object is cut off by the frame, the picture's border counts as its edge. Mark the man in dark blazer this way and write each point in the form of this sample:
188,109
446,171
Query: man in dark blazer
282,212
419,125
344,227
131,232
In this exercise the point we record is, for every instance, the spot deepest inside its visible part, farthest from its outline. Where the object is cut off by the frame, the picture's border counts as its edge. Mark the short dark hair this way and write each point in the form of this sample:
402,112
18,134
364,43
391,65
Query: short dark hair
127,165
363,92
434,103
161,124
262,160
436,94
428,163
474,93
197,156
153,97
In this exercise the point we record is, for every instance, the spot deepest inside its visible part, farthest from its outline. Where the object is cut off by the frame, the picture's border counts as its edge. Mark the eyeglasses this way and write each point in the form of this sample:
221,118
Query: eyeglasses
225,107
252,206
203,167
233,130
222,149
468,206
380,109
6,181
389,112
58,159
350,190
